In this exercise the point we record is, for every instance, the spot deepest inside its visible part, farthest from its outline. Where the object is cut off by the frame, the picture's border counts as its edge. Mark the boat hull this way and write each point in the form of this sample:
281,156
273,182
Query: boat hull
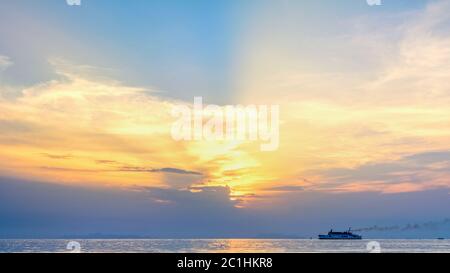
327,237
346,235
340,239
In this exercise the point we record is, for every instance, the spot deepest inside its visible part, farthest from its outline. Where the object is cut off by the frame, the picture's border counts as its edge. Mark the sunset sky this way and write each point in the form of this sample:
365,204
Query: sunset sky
86,94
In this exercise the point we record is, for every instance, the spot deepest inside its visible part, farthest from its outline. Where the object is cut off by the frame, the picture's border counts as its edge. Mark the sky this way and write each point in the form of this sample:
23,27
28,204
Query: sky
86,94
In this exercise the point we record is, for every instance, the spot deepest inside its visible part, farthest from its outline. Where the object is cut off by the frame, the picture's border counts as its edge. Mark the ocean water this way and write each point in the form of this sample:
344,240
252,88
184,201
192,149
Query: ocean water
223,246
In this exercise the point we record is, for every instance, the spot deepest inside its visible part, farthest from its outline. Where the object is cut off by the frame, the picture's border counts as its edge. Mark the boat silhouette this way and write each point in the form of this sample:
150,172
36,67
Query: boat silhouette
346,235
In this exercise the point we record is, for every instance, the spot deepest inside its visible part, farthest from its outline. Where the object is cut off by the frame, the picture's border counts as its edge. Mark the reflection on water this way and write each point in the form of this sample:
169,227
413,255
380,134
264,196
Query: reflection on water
223,245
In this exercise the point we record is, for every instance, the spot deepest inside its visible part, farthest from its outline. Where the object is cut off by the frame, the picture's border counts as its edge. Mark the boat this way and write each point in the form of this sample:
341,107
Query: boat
346,235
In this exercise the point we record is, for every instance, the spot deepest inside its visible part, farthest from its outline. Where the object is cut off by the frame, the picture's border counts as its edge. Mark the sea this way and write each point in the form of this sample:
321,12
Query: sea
222,246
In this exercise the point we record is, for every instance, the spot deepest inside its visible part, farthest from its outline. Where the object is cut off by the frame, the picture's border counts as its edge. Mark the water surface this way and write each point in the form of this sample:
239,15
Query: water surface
222,245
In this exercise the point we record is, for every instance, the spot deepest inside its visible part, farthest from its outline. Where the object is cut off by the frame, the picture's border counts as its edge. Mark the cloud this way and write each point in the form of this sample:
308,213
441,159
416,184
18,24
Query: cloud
162,170
338,115
418,172
194,197
363,102
5,62
36,209
361,93
172,177
56,156
90,118
107,162
286,188
15,126
429,157
93,119
418,73
39,209
174,170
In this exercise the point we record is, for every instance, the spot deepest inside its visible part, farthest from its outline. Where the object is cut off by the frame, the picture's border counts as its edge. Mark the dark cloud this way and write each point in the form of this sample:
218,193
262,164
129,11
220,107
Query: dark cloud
172,177
36,209
61,169
13,126
176,171
106,162
162,170
55,156
429,157
286,188
415,168
194,197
